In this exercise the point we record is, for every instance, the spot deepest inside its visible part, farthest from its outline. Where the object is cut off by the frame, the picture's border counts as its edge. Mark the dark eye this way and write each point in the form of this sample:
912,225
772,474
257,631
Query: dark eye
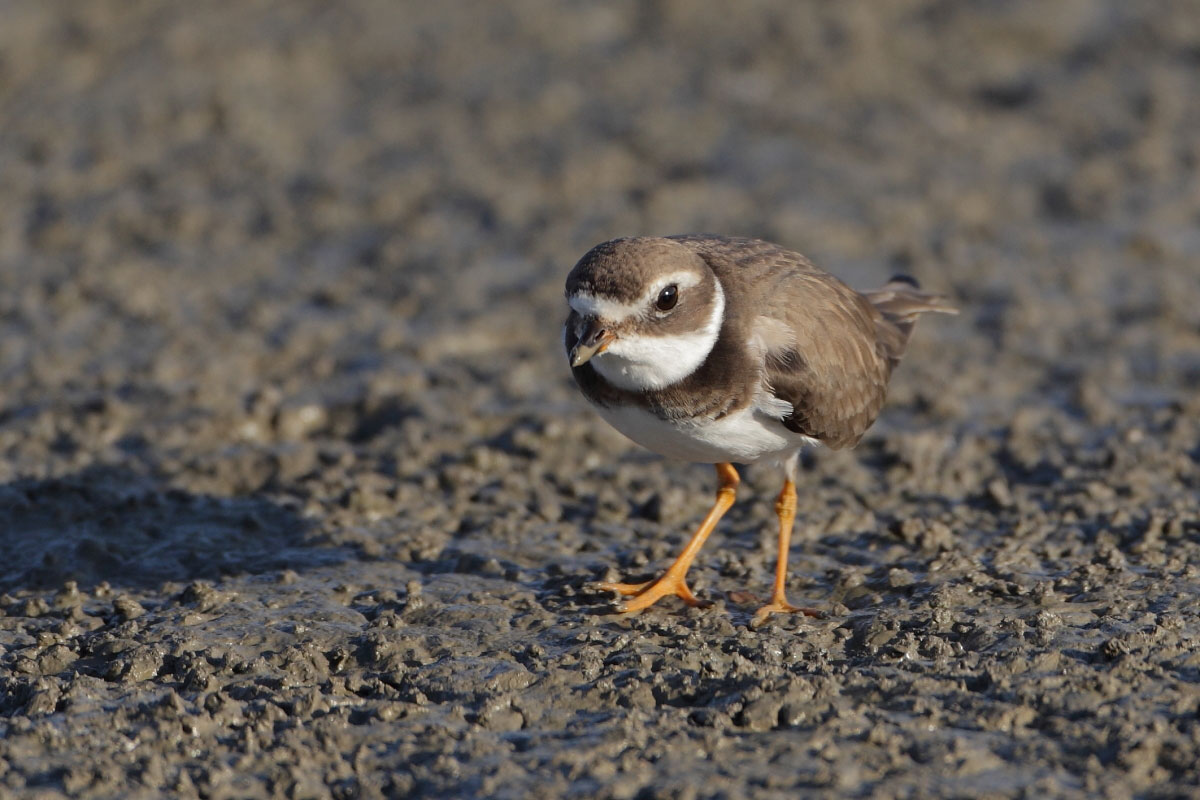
667,298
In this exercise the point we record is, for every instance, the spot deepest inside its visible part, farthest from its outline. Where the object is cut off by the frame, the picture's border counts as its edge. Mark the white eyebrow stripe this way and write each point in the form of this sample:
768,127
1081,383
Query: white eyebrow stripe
684,280
589,305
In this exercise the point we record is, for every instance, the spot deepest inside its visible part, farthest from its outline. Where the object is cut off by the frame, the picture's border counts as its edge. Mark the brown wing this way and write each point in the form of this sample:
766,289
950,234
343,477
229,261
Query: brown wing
829,350
834,375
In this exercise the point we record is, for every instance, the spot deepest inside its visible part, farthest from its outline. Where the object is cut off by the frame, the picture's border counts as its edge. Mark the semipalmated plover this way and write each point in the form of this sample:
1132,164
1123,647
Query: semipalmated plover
721,350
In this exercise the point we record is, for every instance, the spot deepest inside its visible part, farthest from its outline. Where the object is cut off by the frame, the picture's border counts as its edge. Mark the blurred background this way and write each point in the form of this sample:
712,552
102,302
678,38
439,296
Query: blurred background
281,203
281,289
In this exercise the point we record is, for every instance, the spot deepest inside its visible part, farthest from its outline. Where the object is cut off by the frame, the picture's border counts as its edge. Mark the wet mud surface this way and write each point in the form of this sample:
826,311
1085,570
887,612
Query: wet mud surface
297,498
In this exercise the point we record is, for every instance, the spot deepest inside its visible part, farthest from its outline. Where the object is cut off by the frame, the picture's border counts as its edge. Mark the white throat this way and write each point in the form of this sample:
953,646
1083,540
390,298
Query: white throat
641,363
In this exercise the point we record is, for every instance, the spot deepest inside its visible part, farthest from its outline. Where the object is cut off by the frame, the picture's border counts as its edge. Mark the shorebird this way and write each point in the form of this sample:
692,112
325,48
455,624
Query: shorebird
723,350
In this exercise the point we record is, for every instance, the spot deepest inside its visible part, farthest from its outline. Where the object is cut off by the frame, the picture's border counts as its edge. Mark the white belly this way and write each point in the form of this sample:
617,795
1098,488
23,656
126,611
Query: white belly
744,437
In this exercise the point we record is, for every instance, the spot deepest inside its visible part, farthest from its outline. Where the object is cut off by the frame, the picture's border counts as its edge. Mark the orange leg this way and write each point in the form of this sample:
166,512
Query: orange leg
785,508
673,581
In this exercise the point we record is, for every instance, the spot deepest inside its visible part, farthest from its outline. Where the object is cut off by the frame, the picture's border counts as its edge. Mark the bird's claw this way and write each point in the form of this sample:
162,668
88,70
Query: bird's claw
647,594
782,606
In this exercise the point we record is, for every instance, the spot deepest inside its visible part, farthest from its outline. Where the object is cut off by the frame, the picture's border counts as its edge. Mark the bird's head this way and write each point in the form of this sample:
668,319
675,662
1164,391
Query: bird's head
645,312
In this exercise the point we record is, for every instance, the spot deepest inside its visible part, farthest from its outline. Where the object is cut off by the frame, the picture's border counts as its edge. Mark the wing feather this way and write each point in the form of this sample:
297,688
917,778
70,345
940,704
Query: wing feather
828,350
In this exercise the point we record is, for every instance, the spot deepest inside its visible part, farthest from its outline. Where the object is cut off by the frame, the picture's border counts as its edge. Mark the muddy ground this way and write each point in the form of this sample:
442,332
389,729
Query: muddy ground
298,499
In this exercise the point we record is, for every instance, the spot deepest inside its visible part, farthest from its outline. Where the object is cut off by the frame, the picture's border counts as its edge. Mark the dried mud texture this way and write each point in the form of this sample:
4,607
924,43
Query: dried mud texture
298,499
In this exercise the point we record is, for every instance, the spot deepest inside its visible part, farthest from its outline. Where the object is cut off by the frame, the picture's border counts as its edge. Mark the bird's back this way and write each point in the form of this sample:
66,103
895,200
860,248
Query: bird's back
829,350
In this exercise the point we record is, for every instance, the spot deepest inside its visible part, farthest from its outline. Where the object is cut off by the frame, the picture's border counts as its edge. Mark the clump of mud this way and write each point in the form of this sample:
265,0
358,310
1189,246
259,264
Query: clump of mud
298,499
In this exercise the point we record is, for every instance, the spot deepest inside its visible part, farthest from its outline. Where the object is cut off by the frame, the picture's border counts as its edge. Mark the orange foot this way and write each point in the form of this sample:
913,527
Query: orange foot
781,606
647,594
674,580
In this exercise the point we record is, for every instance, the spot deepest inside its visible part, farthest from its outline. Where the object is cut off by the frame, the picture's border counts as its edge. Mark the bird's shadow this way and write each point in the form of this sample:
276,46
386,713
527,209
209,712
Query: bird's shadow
107,524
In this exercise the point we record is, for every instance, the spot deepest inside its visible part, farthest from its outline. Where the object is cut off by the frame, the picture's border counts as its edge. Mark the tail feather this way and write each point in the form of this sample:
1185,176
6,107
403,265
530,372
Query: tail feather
901,301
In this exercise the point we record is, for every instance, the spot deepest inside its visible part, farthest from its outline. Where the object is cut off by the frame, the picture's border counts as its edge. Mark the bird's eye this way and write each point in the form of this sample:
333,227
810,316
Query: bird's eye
667,298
